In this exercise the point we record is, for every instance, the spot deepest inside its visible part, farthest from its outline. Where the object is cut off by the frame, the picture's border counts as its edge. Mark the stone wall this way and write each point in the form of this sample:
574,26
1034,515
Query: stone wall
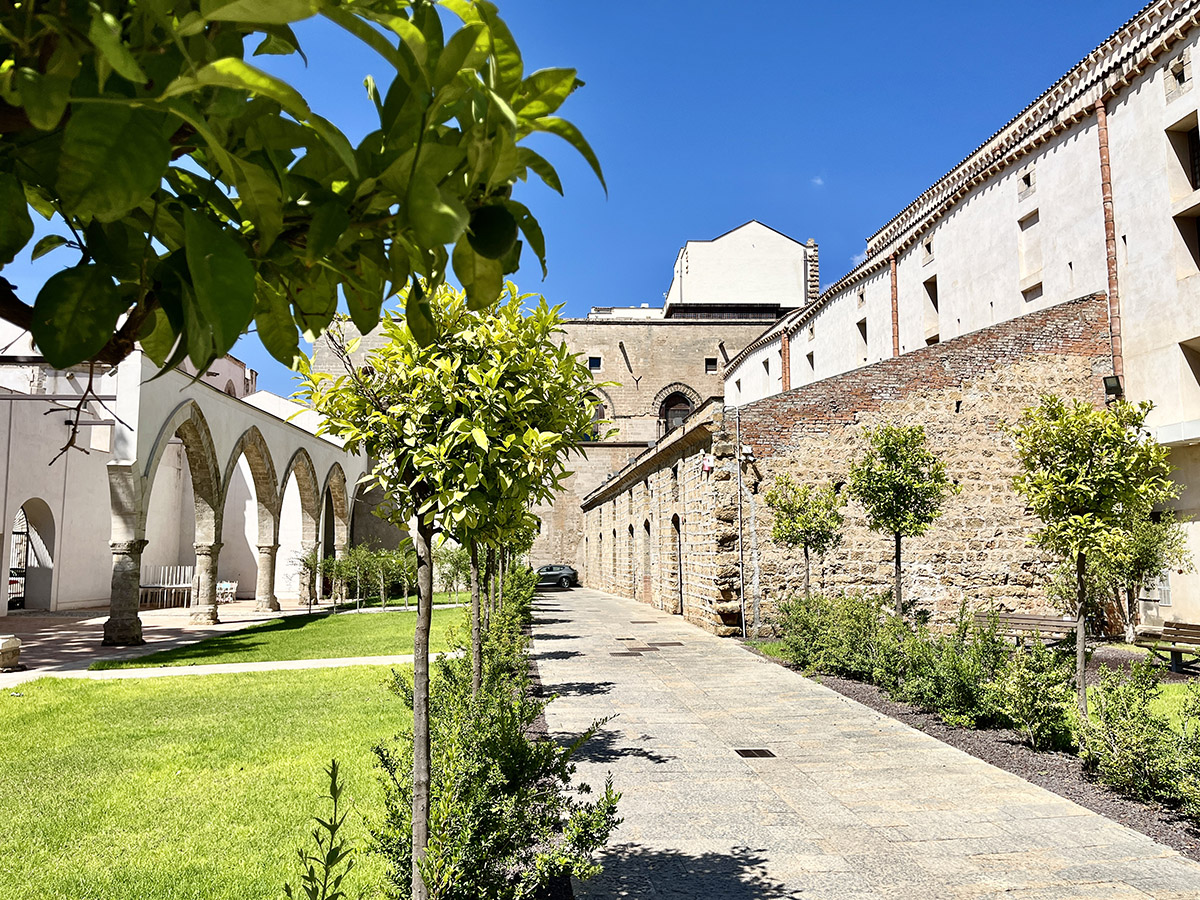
962,391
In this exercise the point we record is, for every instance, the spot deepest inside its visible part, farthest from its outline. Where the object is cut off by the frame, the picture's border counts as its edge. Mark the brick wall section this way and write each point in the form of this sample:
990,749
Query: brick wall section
962,392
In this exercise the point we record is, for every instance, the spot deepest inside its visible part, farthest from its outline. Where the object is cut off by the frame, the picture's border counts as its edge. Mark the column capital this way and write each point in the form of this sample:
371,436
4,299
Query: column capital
268,548
208,549
128,547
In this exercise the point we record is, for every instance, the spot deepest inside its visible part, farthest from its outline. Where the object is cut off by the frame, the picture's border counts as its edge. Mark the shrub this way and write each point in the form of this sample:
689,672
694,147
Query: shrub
1130,748
1188,786
803,623
506,817
1034,691
951,674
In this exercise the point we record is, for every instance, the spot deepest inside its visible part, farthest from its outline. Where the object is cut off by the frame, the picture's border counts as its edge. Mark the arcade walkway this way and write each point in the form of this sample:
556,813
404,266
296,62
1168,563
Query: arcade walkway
852,804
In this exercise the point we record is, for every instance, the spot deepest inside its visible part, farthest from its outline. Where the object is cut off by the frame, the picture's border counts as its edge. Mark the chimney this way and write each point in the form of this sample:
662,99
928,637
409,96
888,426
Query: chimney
814,271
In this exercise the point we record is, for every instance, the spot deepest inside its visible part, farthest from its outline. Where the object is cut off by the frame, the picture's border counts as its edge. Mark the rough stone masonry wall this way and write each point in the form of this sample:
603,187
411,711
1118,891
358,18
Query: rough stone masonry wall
962,392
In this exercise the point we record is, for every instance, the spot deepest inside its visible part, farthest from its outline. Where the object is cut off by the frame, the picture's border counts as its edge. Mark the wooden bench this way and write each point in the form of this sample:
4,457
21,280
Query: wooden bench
1051,629
1177,638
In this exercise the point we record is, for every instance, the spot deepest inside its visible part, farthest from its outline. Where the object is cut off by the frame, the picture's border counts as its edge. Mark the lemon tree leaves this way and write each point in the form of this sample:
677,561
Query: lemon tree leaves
205,194
113,158
76,310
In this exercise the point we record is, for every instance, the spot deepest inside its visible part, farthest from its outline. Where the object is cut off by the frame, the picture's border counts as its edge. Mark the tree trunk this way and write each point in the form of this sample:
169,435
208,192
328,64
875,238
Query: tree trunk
1131,612
807,575
1081,633
383,590
899,599
476,633
423,539
488,586
500,567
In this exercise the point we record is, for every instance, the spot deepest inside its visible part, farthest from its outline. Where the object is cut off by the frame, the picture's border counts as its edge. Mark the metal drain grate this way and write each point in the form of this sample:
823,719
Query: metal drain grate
665,643
626,653
757,753
641,621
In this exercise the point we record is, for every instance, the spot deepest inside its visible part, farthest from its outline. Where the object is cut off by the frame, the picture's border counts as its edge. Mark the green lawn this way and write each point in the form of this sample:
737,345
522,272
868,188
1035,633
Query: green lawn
196,788
319,636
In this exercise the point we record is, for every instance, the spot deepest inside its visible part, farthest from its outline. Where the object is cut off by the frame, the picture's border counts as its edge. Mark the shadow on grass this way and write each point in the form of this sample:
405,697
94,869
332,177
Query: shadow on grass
631,871
242,641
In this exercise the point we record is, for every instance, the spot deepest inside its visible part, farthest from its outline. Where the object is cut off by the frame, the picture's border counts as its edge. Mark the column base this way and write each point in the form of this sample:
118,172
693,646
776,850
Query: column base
122,633
271,605
204,617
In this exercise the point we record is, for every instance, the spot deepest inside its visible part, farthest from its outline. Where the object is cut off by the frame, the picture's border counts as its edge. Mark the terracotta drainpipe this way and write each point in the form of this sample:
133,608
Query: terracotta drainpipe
1110,242
895,309
785,354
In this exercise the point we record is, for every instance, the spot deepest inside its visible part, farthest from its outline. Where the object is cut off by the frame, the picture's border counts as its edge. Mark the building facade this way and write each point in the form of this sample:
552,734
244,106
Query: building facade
1088,200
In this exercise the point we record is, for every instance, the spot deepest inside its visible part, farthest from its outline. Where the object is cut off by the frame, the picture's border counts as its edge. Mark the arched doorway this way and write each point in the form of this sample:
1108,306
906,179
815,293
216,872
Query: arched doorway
31,557
677,533
674,412
299,520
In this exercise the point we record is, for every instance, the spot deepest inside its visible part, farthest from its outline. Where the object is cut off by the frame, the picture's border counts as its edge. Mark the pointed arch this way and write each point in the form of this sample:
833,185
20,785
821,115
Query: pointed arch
301,465
335,488
254,447
187,422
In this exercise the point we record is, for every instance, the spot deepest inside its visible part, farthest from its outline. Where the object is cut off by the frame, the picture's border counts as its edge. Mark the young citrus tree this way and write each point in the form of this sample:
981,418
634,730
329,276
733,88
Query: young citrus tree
1145,549
1088,474
194,195
807,516
477,422
901,484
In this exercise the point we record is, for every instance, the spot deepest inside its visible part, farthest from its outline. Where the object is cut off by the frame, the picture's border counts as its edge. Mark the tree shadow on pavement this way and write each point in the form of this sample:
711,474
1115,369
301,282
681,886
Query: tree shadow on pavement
577,688
639,872
604,747
554,654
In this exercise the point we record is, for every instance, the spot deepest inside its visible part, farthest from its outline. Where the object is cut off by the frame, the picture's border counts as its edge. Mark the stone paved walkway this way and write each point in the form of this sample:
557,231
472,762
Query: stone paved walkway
852,805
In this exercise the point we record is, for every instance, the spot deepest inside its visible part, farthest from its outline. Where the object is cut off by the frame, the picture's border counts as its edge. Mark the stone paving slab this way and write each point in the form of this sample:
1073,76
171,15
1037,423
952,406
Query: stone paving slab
853,804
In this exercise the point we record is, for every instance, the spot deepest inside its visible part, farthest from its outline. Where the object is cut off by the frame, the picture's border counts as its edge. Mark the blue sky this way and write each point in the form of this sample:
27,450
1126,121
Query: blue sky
820,120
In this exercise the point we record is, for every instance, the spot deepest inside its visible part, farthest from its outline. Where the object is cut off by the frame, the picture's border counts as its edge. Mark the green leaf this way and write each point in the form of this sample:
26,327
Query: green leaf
261,200
480,437
437,219
531,229
329,221
16,227
222,277
233,73
544,91
159,338
466,49
105,35
266,12
481,278
75,314
337,141
507,56
43,97
541,167
574,137
419,316
46,244
274,323
113,157
280,41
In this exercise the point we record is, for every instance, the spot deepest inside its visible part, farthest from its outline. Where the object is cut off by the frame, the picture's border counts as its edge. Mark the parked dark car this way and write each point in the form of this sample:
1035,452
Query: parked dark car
557,576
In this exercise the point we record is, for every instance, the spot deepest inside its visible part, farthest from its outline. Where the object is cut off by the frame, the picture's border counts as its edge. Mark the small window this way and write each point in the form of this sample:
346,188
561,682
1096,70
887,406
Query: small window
767,366
862,339
737,386
927,244
710,365
1026,182
1178,77
862,298
1032,293
594,363
812,368
812,332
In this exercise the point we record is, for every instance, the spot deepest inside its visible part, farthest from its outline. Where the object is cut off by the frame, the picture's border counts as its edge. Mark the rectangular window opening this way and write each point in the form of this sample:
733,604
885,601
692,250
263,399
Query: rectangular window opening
811,365
1184,174
710,365
1033,293
932,310
862,338
594,363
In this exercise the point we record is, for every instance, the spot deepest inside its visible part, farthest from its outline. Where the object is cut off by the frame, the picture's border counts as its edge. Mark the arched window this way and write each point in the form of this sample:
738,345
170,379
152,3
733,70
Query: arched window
674,412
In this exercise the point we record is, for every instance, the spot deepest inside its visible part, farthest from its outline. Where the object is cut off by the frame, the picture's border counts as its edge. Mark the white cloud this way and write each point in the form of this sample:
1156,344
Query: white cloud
817,181
858,258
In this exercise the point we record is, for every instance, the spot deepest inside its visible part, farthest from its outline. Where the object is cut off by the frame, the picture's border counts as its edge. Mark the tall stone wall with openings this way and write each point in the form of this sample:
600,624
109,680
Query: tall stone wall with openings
963,392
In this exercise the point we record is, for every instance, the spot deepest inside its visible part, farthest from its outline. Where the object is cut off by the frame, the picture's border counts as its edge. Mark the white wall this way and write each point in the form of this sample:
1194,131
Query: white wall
752,264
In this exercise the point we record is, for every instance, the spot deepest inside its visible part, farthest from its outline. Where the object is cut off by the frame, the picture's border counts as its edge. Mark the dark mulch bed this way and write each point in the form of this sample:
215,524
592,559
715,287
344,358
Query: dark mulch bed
1059,773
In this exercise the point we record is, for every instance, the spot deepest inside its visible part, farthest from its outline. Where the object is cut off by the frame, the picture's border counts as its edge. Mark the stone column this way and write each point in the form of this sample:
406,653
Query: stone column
339,552
123,626
204,593
264,586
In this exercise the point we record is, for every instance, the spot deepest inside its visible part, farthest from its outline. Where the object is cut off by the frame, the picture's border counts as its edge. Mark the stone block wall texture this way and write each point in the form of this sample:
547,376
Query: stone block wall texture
963,392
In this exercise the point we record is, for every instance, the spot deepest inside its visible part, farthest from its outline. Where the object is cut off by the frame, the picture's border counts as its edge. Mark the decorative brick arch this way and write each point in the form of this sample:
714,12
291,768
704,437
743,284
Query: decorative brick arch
335,486
268,496
301,465
187,421
677,387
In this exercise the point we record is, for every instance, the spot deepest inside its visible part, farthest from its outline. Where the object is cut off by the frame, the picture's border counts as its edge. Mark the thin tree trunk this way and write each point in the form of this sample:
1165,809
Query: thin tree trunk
476,633
383,589
1131,614
807,575
489,588
1081,633
899,599
423,539
500,567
